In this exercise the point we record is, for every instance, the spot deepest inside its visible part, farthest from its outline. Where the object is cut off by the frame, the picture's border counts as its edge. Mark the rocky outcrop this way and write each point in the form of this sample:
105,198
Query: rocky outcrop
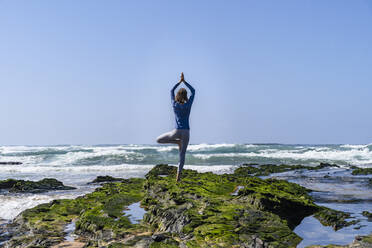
22,186
105,179
267,169
10,163
200,211
361,171
367,214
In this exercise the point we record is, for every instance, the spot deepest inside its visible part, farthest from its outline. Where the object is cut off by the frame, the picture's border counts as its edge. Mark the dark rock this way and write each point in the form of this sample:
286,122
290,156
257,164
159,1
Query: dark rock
10,163
335,219
104,179
8,183
22,186
159,237
325,165
367,214
267,169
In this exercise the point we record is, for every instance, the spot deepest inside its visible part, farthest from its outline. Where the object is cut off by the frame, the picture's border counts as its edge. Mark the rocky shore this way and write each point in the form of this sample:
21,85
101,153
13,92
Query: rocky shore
23,186
203,210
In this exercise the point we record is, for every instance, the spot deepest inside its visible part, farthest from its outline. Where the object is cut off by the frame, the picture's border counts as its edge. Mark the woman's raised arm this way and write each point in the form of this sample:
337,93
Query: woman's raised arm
172,90
191,98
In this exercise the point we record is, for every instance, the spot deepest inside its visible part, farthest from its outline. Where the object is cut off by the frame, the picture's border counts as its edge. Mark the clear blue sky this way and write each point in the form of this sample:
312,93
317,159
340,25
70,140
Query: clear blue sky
93,72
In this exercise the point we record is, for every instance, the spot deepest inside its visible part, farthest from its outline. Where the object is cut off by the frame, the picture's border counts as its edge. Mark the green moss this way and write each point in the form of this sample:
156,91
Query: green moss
107,212
117,245
367,239
22,186
267,169
218,219
367,214
361,171
104,179
335,219
7,184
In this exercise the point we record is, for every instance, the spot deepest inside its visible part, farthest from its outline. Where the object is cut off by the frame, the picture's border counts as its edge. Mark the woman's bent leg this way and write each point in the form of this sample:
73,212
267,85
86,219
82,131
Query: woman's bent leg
169,137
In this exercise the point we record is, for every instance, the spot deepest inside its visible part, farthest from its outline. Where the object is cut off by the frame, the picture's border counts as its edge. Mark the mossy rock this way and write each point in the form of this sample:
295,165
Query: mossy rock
335,219
361,171
267,169
199,211
105,179
367,214
22,186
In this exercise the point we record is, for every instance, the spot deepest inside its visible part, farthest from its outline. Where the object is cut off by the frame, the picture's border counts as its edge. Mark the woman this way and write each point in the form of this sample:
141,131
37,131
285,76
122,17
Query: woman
180,136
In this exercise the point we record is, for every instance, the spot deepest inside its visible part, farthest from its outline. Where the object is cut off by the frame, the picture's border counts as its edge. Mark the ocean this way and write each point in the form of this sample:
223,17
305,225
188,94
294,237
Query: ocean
76,165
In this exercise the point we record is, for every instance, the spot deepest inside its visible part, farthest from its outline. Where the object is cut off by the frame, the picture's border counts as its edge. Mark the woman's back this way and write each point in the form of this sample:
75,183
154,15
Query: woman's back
182,110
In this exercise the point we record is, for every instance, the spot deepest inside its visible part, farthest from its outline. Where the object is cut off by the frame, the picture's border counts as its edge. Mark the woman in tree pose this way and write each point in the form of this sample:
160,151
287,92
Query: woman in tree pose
181,134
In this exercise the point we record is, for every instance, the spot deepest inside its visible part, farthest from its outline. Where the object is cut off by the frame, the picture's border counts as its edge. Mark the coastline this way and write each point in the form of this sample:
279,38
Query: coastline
283,174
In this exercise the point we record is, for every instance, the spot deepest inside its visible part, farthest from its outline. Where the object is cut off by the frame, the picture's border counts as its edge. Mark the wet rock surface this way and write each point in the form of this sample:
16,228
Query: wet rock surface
200,211
23,186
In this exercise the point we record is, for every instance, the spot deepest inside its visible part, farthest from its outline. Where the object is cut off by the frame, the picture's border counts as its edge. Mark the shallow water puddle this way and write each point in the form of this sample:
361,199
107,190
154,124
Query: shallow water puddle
237,190
314,233
69,230
135,213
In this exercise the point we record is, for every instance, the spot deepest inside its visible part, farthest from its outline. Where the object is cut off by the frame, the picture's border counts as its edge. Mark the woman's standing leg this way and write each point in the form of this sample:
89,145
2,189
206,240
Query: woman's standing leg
185,136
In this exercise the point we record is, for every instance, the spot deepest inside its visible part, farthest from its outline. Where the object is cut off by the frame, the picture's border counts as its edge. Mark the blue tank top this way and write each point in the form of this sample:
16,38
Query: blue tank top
182,111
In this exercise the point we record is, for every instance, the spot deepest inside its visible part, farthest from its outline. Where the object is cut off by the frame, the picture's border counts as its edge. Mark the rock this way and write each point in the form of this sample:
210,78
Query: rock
105,179
159,237
8,183
361,171
267,169
367,214
200,211
10,163
22,186
325,165
335,219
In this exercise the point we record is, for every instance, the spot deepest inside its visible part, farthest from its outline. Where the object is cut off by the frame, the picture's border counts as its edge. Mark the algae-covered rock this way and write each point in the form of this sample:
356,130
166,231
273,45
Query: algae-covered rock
105,179
335,219
367,214
22,186
202,208
98,215
361,171
199,211
8,183
267,169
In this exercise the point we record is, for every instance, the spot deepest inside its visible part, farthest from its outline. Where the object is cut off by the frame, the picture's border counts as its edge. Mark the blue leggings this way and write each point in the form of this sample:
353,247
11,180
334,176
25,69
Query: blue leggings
180,137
